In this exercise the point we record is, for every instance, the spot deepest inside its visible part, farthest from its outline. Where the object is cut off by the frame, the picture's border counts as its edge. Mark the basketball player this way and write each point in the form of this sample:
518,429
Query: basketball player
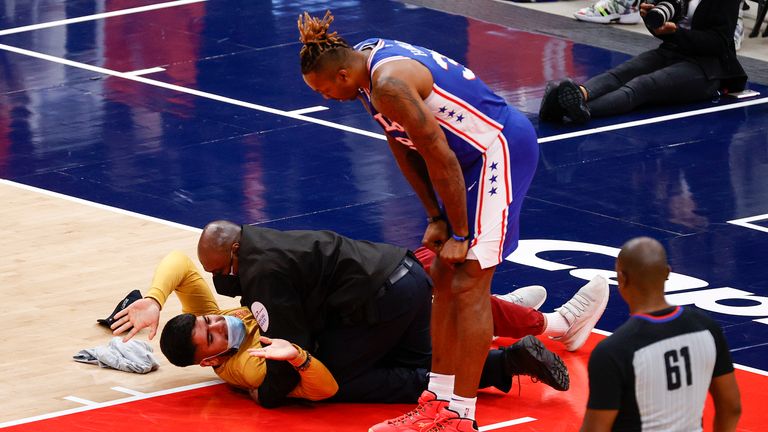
459,144
653,373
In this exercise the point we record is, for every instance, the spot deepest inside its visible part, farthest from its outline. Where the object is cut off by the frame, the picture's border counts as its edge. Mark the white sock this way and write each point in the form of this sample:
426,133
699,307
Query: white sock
464,406
557,325
441,385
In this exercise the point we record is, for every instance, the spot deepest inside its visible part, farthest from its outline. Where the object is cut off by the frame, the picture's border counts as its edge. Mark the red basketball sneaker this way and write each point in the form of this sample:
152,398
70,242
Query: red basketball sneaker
449,421
419,419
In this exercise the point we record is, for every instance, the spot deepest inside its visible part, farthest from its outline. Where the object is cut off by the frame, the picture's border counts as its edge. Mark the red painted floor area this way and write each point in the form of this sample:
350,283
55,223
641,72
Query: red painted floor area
221,408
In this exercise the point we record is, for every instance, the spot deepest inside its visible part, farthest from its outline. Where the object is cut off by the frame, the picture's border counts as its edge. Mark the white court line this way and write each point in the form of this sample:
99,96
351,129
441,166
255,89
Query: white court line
745,222
309,110
504,424
128,391
193,92
751,369
97,16
99,206
145,71
652,120
98,405
80,400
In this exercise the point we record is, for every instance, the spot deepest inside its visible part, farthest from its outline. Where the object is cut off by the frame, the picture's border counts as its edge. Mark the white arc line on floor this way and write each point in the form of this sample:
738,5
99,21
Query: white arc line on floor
128,391
504,424
80,400
653,120
97,16
193,92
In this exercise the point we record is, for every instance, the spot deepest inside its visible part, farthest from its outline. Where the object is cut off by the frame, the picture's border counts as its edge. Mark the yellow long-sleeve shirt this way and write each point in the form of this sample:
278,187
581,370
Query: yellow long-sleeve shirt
177,273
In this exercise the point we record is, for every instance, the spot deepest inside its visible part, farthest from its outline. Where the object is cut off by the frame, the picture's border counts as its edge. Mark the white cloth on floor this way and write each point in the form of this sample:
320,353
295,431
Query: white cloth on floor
132,356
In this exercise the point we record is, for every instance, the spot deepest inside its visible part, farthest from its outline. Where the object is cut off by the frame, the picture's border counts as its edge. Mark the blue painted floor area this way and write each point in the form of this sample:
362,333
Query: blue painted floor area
191,159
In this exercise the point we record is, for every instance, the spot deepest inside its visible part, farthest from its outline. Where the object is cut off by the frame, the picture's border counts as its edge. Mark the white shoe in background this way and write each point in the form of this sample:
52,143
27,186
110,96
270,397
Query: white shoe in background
582,312
530,296
610,11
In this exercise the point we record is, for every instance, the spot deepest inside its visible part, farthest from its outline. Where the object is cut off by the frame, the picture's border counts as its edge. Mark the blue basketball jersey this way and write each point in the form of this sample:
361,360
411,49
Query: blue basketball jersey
470,114
494,143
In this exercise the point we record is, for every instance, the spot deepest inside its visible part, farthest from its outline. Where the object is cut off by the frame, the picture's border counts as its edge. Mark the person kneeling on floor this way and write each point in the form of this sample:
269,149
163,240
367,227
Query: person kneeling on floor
302,277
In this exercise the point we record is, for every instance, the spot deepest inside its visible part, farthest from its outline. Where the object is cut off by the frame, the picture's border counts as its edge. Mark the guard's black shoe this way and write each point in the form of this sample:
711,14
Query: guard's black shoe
550,109
529,357
572,101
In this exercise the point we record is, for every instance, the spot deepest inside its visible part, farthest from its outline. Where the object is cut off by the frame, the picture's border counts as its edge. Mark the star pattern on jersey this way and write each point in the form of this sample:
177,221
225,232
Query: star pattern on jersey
451,114
493,179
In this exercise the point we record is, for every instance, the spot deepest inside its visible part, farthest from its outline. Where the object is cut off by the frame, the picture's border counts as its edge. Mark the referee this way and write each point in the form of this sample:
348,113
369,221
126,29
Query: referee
654,372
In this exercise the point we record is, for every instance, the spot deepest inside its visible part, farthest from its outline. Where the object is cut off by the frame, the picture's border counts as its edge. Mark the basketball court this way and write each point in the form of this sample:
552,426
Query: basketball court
127,125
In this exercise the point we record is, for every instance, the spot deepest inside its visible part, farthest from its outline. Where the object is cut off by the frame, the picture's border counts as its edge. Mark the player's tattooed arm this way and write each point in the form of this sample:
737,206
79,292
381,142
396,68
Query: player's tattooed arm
400,101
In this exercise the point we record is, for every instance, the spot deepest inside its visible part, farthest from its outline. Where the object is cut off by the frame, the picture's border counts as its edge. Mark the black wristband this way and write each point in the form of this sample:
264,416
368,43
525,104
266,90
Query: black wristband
460,239
304,366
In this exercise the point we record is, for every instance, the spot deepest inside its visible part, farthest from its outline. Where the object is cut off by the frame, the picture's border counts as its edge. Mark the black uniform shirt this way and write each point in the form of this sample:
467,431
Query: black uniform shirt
304,278
656,370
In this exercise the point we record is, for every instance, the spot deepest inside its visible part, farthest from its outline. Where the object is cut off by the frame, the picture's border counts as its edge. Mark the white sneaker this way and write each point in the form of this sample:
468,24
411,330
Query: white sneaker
610,11
532,296
582,312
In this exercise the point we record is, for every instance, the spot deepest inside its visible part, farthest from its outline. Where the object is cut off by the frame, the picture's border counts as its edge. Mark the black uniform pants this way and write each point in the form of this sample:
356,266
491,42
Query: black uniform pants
659,76
386,361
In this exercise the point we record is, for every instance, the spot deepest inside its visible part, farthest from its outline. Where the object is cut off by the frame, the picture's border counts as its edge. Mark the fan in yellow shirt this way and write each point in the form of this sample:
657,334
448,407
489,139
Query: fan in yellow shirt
210,344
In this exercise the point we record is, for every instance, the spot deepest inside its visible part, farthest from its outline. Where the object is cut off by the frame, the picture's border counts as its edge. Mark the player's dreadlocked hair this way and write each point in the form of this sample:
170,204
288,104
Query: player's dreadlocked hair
313,33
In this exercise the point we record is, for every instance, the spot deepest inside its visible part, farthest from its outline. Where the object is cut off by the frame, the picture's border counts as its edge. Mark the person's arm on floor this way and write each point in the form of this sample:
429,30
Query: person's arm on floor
316,382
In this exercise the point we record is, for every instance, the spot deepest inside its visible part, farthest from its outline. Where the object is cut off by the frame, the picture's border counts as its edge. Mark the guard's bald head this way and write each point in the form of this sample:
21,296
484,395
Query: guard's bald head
643,261
215,244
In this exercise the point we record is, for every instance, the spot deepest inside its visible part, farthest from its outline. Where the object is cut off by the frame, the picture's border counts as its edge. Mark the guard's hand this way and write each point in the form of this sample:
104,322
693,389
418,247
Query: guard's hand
435,236
140,314
667,28
454,252
274,349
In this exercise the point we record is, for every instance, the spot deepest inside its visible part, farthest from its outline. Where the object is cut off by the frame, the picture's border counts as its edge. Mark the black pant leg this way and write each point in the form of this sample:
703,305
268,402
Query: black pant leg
495,373
384,385
386,361
613,79
680,82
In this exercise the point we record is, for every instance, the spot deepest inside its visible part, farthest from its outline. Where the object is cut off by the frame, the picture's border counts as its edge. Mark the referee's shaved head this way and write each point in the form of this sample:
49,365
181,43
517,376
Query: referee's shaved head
643,261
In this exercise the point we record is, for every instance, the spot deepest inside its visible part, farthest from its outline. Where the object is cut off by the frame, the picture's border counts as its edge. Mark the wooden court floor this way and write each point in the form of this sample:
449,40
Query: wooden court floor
66,264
